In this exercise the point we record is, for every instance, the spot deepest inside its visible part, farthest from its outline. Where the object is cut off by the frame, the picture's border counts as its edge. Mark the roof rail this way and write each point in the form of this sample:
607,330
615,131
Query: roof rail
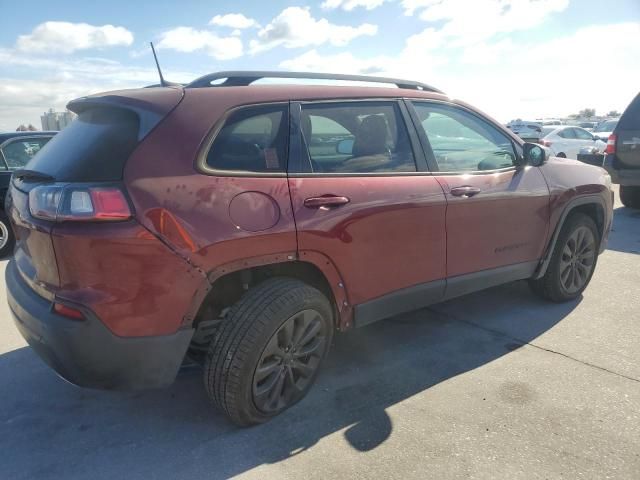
245,78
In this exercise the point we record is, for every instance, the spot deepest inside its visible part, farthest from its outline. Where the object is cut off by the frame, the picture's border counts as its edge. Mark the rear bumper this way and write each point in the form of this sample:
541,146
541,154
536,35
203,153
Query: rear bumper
86,352
628,176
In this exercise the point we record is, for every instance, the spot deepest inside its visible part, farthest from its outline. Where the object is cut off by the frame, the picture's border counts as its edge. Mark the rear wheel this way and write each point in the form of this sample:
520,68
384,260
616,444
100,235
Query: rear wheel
7,239
561,155
573,260
268,352
630,196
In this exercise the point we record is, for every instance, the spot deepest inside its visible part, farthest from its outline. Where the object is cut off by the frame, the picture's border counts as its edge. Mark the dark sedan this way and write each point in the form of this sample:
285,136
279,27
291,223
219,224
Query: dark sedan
16,149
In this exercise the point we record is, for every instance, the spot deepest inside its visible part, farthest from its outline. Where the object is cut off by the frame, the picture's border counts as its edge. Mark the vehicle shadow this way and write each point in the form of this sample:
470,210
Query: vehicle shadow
54,430
625,233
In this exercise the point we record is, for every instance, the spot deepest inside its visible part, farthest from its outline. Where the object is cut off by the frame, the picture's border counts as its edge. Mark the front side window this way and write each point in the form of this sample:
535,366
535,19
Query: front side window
462,142
253,139
356,137
17,153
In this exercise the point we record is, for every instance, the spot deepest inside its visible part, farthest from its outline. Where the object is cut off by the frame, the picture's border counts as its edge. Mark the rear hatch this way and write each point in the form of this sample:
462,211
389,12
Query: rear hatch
628,136
90,154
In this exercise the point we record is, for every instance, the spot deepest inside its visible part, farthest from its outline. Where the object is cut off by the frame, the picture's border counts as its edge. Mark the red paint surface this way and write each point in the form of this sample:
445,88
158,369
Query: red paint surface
389,236
506,223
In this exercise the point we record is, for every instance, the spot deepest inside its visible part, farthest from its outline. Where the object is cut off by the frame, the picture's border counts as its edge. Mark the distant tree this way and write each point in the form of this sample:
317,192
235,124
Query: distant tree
574,115
22,128
31,128
613,113
587,113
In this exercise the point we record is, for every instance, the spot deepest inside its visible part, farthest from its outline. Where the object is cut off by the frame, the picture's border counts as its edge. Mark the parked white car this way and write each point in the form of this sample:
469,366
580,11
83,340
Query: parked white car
566,141
525,129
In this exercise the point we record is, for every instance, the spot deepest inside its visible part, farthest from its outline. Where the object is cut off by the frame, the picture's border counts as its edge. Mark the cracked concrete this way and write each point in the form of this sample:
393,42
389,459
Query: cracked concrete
497,384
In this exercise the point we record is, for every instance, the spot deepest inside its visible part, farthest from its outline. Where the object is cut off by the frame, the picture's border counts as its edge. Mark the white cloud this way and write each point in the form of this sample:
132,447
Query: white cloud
349,5
468,22
294,27
66,37
497,77
187,39
312,61
233,20
24,96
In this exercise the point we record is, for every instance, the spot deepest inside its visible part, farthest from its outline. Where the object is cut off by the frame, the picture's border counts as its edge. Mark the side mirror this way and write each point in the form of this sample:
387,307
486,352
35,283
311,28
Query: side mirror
345,147
534,155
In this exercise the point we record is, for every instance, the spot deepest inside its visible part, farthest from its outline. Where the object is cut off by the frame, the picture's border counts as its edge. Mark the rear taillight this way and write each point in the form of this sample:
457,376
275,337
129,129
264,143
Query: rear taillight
611,145
544,142
70,202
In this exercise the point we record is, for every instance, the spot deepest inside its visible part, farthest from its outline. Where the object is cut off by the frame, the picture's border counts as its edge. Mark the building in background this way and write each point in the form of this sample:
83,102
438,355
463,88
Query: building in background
56,121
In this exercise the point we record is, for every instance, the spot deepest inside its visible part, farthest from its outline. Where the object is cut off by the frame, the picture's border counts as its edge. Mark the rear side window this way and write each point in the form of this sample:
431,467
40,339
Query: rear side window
356,137
94,147
582,134
253,139
567,133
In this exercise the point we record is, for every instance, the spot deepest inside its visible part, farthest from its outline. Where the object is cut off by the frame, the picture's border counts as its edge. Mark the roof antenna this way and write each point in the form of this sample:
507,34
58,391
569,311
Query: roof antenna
163,82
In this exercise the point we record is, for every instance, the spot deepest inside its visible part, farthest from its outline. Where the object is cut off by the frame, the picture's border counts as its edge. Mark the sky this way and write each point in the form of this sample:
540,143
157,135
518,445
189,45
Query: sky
511,58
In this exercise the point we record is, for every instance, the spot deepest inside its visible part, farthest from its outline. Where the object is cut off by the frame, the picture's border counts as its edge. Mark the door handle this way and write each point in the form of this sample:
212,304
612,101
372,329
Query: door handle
325,201
465,191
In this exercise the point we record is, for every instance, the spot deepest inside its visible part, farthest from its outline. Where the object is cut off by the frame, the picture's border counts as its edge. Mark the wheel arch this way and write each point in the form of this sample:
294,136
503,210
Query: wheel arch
226,284
592,206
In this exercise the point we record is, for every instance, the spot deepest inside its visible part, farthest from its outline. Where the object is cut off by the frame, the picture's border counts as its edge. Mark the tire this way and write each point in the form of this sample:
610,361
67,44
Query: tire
630,196
561,155
556,284
266,318
7,238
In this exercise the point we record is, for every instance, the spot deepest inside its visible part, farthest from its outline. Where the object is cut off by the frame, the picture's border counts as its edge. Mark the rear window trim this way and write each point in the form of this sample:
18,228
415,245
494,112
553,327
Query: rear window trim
203,167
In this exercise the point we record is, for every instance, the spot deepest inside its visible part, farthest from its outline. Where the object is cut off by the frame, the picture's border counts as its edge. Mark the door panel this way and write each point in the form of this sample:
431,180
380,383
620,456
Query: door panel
390,235
380,221
505,223
497,214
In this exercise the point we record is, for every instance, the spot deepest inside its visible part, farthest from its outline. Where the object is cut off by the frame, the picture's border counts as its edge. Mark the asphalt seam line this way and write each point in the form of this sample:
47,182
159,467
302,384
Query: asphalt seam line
523,342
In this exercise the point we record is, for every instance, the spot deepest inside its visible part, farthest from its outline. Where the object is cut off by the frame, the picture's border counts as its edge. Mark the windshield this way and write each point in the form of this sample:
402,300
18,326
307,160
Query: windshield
607,126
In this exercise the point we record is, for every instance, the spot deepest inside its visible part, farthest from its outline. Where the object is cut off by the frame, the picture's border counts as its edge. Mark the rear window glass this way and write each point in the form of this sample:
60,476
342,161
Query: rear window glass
253,139
630,119
94,147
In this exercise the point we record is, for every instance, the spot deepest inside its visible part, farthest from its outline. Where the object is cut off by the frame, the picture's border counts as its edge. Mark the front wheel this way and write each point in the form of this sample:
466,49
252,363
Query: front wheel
573,260
7,239
269,350
630,196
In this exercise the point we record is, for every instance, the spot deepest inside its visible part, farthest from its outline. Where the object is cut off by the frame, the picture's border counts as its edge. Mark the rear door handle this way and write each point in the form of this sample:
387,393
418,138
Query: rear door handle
465,191
325,201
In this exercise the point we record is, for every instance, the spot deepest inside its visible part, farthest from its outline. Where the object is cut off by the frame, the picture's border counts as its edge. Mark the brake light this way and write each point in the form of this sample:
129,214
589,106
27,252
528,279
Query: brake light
78,203
544,142
611,145
68,312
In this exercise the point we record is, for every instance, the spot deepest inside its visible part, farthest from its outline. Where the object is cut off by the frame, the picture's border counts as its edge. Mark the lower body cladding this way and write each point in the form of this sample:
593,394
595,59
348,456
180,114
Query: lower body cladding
85,352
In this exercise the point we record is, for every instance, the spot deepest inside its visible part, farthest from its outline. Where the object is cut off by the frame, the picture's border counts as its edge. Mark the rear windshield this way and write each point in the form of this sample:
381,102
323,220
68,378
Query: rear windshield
547,130
630,119
94,147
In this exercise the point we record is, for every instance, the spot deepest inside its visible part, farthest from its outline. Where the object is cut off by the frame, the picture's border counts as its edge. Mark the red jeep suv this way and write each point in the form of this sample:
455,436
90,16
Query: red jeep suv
241,225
